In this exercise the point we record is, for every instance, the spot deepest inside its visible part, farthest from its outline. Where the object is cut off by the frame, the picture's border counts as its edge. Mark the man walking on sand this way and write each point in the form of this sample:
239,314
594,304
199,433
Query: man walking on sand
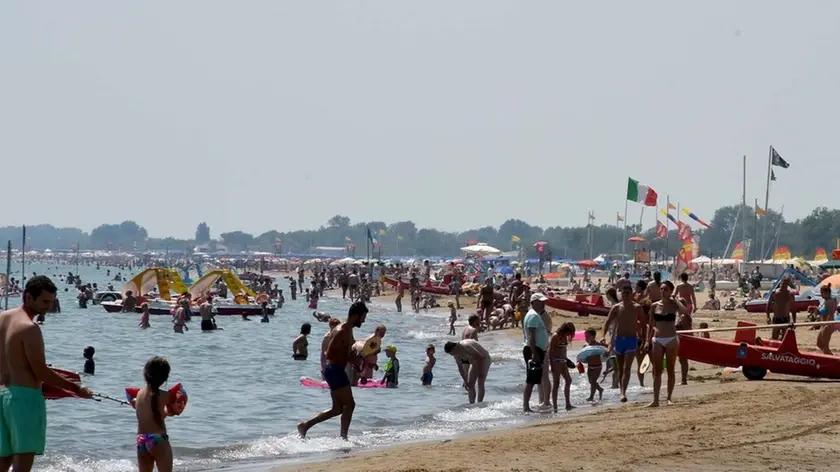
23,368
337,358
626,341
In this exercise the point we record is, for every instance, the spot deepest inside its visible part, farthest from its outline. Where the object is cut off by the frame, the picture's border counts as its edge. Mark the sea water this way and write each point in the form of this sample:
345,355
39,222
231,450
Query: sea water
244,389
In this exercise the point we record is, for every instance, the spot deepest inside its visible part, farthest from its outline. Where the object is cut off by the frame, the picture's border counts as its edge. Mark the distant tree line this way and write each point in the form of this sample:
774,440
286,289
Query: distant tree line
820,228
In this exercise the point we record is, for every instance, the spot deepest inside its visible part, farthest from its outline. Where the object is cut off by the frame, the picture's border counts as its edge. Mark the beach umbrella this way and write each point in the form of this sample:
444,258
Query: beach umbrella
834,280
701,260
481,249
637,239
588,264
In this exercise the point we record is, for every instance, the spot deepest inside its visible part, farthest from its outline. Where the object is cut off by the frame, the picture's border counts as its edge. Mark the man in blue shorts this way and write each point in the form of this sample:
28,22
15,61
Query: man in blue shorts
625,343
337,358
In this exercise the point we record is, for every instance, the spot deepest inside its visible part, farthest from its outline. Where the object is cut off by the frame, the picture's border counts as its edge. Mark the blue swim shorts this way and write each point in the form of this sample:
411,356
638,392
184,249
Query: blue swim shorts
625,344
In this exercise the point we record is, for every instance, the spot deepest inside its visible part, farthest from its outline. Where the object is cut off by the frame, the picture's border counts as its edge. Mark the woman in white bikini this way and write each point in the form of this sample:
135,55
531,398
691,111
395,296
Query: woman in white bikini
662,339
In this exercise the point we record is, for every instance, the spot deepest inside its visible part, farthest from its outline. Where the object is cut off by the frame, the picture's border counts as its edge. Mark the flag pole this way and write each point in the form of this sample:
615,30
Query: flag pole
23,257
8,272
766,197
755,229
624,231
667,223
744,215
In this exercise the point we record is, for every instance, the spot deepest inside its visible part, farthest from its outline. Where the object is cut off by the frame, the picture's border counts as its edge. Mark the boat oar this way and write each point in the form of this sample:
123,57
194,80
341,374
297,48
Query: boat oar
769,326
100,397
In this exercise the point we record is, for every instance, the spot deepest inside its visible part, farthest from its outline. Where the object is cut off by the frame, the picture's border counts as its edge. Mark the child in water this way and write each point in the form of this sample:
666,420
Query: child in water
264,312
559,366
144,317
153,448
392,367
300,346
595,366
426,378
90,366
453,315
704,325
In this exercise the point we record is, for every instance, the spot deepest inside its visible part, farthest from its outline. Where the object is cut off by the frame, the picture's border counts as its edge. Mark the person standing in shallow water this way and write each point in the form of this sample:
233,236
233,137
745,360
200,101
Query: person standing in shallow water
23,370
338,356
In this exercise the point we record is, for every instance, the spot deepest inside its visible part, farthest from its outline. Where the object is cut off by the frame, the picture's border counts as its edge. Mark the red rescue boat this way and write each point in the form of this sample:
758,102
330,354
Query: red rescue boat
800,303
756,358
427,287
582,304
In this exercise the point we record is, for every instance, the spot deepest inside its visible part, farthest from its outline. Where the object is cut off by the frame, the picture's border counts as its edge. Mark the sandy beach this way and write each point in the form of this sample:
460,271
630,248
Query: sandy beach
720,422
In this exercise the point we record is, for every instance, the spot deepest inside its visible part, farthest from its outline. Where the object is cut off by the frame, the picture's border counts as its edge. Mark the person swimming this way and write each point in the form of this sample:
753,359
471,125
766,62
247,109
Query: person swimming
300,346
90,365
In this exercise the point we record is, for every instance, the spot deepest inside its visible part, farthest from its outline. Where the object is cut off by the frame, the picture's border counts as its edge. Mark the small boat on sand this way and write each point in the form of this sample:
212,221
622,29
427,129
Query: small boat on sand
757,357
800,303
583,304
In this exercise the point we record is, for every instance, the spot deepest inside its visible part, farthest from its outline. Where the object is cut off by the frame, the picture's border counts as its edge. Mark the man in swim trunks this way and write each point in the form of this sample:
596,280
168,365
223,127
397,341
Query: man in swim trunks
624,315
338,356
208,323
686,291
23,414
486,297
624,281
479,365
536,343
781,302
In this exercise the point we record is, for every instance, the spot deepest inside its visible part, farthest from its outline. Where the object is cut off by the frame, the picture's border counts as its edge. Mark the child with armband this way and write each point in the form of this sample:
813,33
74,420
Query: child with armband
152,406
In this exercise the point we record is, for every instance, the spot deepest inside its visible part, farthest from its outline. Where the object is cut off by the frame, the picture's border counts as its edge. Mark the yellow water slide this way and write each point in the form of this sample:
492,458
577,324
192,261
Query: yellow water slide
166,280
206,282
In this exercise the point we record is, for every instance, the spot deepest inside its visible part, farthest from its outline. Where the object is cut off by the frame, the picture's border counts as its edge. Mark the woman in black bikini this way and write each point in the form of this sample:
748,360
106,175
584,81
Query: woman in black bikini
662,339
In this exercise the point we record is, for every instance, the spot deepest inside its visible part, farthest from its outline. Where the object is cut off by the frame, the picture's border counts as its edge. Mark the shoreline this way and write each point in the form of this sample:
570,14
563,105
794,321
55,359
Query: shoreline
711,427
719,422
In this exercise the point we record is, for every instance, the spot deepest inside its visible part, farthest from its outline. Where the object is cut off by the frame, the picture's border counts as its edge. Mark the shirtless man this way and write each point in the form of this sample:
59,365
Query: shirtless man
626,342
208,322
130,302
479,365
353,285
686,291
325,343
485,299
624,281
470,332
23,368
338,356
781,302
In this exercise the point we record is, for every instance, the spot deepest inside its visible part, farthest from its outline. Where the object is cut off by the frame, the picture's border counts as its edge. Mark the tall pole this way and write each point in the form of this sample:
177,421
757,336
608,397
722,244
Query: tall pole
755,229
8,271
744,211
77,258
667,223
767,196
624,231
23,258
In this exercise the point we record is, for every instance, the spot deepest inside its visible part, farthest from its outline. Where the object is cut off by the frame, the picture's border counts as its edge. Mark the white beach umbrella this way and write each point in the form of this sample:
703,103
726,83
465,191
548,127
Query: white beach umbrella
481,249
701,260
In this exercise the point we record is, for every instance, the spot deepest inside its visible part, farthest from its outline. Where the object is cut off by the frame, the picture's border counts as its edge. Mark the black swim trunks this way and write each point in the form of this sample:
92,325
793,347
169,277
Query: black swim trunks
534,370
207,325
336,376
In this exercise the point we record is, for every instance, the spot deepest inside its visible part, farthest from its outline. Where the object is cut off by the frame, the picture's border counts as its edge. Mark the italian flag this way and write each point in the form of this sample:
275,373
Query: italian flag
639,193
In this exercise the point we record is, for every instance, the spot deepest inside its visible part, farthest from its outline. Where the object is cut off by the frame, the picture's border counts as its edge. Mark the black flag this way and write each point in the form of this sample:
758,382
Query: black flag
777,160
772,175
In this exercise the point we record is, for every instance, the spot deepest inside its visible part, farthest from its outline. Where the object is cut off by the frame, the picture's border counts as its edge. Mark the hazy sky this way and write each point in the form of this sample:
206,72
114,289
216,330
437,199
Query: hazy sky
258,115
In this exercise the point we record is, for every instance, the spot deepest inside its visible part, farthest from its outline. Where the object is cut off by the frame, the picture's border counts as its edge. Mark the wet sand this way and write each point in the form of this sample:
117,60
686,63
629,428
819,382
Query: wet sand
719,422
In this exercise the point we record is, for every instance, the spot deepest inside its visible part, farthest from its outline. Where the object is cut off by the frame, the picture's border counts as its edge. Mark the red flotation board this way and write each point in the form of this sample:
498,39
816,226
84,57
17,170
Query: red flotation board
314,383
54,393
177,395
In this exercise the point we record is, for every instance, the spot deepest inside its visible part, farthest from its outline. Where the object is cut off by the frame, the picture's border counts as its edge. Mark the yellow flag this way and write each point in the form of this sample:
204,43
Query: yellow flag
515,239
382,232
760,211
